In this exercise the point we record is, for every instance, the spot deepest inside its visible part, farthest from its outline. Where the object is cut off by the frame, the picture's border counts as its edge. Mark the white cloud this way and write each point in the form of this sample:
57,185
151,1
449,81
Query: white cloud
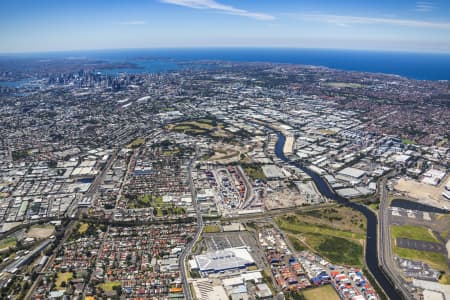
348,20
136,22
424,6
214,5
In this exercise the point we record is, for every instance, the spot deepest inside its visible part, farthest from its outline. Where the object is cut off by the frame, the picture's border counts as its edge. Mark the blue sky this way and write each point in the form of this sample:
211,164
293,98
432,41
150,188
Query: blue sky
55,25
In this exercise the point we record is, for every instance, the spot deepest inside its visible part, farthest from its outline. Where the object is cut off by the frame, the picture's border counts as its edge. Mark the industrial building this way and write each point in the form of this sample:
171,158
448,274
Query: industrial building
223,260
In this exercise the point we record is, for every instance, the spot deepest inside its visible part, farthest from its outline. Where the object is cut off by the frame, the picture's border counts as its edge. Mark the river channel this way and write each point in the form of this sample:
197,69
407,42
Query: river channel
371,254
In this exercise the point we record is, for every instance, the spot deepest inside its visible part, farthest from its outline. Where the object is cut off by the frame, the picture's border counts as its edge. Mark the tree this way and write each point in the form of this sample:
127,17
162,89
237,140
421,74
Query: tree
118,289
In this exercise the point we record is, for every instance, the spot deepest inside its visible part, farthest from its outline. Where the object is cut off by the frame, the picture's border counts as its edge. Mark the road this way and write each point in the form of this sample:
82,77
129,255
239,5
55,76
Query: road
200,224
126,178
99,179
67,233
249,193
90,193
385,258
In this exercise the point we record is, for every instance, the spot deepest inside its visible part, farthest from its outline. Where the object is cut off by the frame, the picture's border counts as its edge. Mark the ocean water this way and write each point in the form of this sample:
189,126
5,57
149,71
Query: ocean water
422,66
14,84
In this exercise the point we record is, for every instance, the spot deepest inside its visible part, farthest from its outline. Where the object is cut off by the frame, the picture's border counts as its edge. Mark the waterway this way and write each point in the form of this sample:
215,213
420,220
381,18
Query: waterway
407,204
371,239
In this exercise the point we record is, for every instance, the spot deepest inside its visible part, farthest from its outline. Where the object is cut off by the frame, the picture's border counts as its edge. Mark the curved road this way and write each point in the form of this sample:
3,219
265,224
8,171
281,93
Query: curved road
371,255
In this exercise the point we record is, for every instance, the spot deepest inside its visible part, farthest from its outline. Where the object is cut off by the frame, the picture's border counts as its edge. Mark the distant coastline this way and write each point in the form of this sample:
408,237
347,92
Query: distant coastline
420,66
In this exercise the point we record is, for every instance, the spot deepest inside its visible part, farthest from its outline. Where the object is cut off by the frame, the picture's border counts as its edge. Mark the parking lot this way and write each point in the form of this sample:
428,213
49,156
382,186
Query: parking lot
412,214
223,240
420,245
220,241
417,269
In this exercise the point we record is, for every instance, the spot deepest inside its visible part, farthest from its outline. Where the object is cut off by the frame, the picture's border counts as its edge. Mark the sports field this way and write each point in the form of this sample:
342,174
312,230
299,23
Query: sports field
323,292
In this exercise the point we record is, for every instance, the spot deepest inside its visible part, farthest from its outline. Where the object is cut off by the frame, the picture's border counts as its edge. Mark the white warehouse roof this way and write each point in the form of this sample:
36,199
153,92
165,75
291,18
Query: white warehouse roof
352,172
221,260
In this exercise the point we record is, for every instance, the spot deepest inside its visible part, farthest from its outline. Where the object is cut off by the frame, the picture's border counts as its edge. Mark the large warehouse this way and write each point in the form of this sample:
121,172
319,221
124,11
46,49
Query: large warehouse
223,260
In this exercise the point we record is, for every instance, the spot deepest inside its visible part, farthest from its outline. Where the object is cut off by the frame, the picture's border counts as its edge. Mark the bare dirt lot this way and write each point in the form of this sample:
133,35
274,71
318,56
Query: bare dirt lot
40,232
283,198
423,192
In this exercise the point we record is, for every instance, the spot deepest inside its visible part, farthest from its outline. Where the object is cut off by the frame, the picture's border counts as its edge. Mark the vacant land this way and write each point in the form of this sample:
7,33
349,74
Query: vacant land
306,228
254,172
63,279
343,85
296,243
83,228
140,201
41,231
211,228
437,261
327,132
160,208
286,197
136,143
7,243
325,292
338,246
330,221
109,286
224,154
408,141
338,250
413,233
428,194
208,127
374,206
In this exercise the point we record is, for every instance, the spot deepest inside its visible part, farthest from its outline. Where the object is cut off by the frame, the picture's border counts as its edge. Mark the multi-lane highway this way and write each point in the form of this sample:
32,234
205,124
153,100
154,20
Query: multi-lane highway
384,242
200,224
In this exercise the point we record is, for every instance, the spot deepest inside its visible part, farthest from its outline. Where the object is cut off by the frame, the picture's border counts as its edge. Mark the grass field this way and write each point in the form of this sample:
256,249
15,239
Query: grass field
201,124
343,85
298,227
337,250
445,279
296,243
436,260
211,228
413,233
136,143
161,208
374,206
171,152
109,286
338,218
255,172
63,277
43,226
408,142
339,246
83,228
325,292
8,243
208,127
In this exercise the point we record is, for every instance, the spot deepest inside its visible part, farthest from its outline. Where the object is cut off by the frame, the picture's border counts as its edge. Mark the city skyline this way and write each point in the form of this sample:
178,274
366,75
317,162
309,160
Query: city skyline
417,26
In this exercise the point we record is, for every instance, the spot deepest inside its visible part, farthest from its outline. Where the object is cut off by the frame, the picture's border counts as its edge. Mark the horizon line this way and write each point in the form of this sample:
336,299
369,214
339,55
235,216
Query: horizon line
442,52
